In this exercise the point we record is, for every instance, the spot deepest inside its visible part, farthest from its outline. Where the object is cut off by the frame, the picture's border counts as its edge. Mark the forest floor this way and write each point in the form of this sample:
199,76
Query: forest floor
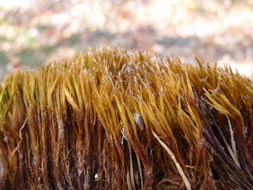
34,32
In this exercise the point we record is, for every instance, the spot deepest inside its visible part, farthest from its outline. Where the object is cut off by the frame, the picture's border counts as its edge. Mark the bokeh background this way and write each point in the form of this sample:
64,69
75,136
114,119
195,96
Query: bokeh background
34,32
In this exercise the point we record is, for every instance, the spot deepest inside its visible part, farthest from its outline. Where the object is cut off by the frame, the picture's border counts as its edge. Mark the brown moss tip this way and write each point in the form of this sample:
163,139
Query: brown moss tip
116,119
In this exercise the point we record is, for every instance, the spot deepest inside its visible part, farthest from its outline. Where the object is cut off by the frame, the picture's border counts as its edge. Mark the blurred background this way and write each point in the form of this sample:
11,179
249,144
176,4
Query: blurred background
33,32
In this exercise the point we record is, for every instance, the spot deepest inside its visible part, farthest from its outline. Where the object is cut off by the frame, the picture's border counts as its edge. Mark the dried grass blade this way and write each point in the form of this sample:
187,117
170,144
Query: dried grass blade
172,156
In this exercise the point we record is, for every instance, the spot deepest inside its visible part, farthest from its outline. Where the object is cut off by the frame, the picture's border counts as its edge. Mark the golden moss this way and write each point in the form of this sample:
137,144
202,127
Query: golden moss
115,119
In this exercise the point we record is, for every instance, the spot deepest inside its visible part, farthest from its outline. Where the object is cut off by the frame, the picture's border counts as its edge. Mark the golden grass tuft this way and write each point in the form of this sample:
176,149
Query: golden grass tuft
111,118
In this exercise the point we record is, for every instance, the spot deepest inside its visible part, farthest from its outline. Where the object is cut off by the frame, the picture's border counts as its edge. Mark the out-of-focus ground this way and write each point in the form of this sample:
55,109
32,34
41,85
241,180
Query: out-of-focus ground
33,32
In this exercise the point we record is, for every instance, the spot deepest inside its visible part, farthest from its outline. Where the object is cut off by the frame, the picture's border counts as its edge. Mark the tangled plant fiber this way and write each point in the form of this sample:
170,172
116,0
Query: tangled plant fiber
111,118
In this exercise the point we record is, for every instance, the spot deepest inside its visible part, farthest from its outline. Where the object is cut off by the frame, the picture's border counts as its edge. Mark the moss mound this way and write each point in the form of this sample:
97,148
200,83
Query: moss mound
116,119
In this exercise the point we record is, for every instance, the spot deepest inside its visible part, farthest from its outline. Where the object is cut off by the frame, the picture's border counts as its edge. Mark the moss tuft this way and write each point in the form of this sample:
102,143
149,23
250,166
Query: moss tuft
115,119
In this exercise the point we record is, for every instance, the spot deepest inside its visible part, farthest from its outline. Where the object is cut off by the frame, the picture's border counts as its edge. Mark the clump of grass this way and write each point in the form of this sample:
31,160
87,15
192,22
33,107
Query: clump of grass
115,119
